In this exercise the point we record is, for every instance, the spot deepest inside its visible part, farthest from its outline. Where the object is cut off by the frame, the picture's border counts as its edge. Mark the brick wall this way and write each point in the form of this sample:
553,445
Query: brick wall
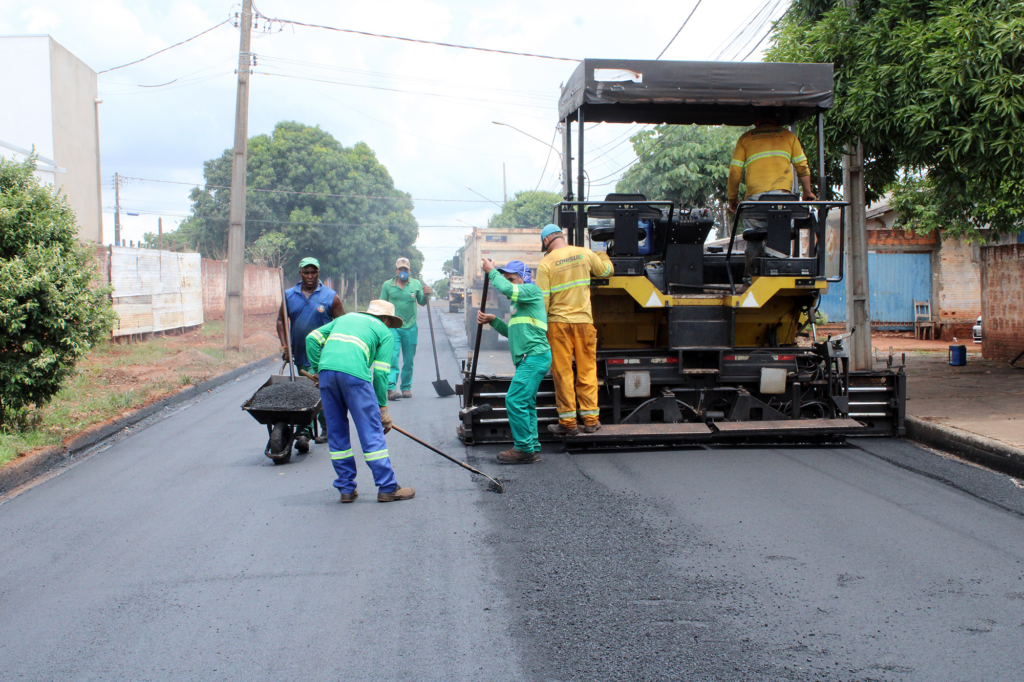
261,289
1002,301
899,238
959,303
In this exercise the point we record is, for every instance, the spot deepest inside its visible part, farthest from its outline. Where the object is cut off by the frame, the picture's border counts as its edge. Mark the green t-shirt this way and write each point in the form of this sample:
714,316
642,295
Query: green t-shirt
527,328
405,300
358,344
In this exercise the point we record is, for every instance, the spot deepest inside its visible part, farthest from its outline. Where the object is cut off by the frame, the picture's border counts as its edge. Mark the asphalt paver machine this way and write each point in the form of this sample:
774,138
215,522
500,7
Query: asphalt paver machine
689,353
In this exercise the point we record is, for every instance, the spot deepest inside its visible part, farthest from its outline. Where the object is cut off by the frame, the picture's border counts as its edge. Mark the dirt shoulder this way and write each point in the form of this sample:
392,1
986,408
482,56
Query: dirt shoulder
116,379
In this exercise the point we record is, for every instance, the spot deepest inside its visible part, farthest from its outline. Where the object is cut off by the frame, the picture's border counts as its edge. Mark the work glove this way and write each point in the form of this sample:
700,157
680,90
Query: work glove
285,353
385,419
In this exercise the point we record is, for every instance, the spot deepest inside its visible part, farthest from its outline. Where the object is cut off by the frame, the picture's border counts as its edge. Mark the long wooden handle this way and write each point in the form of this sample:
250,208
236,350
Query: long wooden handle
433,344
476,345
287,327
462,464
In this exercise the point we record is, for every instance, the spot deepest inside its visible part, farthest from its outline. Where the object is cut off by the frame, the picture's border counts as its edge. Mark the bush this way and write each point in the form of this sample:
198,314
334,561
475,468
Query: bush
51,311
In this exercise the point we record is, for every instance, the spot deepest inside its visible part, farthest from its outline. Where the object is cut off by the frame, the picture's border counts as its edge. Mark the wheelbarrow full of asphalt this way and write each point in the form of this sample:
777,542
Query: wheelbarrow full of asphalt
283,426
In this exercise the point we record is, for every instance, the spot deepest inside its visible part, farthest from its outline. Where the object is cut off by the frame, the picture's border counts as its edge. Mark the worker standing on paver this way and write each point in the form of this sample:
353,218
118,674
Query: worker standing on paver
404,292
764,159
351,359
527,340
564,280
310,305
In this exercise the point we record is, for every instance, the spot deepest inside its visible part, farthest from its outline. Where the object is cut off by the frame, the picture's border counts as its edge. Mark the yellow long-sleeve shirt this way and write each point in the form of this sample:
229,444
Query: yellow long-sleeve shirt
767,156
563,276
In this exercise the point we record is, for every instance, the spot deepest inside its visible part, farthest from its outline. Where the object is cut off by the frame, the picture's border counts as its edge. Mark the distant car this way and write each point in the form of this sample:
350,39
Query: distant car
976,331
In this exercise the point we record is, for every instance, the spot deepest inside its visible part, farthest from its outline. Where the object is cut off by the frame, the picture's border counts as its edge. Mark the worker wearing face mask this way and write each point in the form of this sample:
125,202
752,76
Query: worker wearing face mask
405,293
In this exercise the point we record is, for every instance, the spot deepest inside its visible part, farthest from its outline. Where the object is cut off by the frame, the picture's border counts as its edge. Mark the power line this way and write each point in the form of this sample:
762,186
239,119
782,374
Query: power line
680,30
310,194
415,40
115,68
294,222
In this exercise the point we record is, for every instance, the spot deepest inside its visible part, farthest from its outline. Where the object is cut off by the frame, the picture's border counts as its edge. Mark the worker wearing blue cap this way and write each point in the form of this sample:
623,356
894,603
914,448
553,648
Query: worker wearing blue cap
527,340
310,306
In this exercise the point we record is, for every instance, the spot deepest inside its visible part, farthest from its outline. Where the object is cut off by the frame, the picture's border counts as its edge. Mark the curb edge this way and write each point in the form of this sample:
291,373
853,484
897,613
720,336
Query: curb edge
980,449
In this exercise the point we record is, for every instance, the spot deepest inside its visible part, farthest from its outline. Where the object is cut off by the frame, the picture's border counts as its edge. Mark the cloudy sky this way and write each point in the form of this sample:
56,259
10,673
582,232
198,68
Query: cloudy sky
427,111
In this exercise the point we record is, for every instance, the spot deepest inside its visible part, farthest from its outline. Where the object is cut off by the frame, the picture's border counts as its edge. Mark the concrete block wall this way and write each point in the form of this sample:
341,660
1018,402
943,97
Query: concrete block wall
1002,301
959,292
261,289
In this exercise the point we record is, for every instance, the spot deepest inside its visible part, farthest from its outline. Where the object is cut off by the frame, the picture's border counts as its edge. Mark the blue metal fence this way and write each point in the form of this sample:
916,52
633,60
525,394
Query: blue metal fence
895,281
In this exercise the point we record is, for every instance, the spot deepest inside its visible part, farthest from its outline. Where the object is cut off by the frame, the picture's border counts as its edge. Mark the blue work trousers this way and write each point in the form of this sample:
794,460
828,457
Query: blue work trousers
521,401
343,394
405,342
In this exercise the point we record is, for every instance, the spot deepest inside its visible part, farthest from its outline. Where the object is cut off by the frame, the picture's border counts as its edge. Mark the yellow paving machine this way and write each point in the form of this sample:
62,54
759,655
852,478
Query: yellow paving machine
689,352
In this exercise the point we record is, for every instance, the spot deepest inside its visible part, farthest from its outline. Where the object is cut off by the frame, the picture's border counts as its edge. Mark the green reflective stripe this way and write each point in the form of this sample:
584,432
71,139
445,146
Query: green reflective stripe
376,454
545,292
345,338
589,413
344,454
532,321
799,159
567,415
570,285
608,271
318,336
382,366
737,162
764,155
515,293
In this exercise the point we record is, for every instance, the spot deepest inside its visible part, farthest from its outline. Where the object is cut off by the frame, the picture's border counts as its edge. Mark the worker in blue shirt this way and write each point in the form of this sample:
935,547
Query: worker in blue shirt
311,305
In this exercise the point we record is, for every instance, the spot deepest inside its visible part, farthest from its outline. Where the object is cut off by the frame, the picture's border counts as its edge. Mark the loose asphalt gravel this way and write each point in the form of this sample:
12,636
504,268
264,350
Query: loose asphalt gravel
286,396
181,553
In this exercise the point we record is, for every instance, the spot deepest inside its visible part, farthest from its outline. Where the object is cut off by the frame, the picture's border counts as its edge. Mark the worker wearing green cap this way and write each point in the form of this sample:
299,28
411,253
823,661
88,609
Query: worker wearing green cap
311,305
405,293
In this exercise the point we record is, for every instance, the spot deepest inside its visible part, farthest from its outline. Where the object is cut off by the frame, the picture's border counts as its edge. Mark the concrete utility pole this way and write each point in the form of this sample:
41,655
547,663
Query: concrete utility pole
160,234
504,184
234,310
858,311
117,210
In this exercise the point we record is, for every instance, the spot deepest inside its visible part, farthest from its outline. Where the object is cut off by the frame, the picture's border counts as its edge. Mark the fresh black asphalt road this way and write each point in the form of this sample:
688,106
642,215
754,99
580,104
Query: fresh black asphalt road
182,553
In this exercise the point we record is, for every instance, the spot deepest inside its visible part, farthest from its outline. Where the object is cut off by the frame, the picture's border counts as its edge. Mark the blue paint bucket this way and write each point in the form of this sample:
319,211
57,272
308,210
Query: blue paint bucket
958,356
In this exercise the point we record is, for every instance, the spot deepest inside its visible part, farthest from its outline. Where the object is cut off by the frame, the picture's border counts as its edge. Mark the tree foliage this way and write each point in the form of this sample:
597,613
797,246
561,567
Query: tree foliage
441,288
529,209
51,309
271,250
453,266
359,230
935,91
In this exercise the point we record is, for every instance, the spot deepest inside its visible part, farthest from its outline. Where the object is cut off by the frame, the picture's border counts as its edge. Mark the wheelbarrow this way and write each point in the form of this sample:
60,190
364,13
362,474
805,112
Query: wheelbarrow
283,426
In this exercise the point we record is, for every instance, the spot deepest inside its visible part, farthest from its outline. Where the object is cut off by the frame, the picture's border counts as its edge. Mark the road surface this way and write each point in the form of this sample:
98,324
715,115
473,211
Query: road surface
182,553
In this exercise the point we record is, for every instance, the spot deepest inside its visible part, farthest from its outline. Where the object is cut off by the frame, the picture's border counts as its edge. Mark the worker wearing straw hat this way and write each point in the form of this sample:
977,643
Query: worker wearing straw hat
351,357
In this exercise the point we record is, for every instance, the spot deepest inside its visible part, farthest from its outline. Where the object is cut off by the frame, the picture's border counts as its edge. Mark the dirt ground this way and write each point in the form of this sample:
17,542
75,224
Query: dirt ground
116,378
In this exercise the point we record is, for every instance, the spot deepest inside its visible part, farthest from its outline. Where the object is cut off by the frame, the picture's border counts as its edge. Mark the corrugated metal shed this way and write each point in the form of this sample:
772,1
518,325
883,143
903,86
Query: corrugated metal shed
895,281
155,290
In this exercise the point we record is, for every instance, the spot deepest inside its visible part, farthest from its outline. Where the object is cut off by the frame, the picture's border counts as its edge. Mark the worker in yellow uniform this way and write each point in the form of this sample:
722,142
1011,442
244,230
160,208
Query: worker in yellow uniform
764,159
564,280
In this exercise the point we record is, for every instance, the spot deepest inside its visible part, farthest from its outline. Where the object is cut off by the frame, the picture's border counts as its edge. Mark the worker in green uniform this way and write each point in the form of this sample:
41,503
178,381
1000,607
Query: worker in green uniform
528,341
404,292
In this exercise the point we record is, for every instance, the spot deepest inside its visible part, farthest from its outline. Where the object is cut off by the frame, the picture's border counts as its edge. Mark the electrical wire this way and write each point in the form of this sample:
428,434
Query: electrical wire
679,31
416,40
115,68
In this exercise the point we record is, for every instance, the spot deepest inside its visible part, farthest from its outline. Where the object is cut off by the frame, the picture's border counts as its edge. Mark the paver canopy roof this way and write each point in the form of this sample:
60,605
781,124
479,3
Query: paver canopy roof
706,93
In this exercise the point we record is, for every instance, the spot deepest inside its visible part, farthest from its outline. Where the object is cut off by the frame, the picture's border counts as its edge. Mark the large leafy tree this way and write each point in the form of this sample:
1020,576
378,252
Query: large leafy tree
336,203
685,164
935,91
529,209
52,309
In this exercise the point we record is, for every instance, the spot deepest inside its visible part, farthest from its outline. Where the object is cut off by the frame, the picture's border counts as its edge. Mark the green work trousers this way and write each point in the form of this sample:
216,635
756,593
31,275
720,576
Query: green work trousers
405,343
521,401
308,430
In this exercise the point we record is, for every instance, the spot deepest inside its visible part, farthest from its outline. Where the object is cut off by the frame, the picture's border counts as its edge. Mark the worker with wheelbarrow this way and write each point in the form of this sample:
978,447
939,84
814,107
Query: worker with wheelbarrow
310,305
351,359
527,340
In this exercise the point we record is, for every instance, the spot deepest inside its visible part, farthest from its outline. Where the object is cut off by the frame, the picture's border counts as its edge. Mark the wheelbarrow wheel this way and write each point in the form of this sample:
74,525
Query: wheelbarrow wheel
279,449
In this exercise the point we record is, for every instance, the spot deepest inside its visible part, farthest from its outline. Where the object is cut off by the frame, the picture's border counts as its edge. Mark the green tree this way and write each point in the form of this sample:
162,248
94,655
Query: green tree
336,203
440,288
52,310
454,265
271,250
529,209
934,89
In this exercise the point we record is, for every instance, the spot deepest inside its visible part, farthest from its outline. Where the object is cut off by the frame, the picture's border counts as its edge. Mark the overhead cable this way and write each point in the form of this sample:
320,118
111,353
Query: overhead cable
680,30
114,68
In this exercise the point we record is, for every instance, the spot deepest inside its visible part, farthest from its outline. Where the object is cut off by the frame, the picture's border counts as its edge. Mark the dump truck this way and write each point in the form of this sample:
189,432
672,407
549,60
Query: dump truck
688,353
456,293
500,245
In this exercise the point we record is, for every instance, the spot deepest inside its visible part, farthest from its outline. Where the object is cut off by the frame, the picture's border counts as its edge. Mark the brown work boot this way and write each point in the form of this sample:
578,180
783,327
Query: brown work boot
406,394
560,430
590,428
399,494
349,497
514,456
394,394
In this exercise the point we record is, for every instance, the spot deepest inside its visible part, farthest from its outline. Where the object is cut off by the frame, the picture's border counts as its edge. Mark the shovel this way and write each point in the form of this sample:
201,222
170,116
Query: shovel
442,386
493,486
